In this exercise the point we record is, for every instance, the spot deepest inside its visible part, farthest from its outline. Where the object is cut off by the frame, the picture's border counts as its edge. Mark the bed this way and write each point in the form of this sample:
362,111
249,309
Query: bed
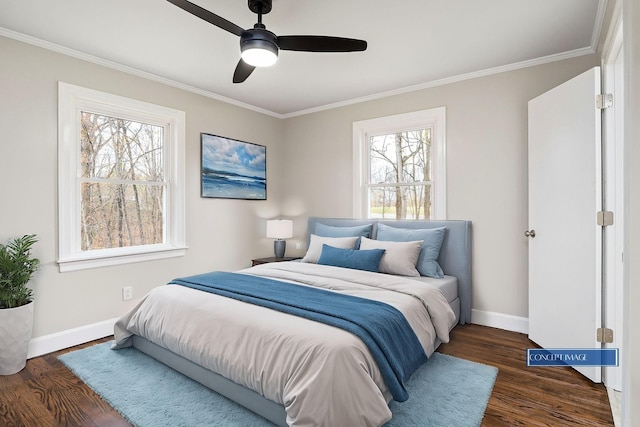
297,371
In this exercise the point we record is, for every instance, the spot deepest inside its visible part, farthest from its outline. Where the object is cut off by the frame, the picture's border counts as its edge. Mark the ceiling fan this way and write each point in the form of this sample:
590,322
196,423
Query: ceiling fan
259,46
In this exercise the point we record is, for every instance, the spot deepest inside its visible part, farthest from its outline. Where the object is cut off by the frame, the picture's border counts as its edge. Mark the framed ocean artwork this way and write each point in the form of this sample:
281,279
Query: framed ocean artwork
232,169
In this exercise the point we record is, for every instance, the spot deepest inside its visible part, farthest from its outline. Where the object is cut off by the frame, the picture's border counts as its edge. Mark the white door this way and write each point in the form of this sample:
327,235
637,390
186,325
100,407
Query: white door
565,194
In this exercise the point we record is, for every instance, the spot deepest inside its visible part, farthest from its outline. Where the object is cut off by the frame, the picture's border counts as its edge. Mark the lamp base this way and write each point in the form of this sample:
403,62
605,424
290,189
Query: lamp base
279,247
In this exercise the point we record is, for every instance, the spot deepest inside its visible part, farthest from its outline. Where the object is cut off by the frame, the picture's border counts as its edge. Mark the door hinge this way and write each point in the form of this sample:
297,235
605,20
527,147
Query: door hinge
605,218
604,101
604,335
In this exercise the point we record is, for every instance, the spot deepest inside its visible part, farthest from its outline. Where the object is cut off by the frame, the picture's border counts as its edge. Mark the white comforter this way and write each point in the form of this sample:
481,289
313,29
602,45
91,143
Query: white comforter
322,375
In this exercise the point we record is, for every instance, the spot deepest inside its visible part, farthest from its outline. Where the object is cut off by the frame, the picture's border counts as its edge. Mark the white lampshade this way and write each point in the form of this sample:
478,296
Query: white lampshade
280,229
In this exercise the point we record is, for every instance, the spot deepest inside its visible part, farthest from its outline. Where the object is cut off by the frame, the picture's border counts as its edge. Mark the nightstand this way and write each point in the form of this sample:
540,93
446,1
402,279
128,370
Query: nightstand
259,261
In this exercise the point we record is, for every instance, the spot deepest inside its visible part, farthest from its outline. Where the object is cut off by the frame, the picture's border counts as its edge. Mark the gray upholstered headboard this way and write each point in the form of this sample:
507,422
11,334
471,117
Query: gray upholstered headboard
455,254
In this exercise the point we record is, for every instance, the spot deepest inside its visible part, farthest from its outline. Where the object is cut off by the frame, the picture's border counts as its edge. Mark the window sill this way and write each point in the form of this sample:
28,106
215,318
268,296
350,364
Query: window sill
75,264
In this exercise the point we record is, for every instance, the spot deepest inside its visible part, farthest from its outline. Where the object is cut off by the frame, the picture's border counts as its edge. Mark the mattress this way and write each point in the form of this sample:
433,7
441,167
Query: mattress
447,285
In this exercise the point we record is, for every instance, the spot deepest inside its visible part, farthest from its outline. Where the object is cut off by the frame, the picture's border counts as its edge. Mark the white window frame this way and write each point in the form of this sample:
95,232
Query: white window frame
434,118
71,101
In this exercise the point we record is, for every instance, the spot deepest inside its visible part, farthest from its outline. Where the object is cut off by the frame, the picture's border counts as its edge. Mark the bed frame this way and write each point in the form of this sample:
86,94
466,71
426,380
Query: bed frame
455,260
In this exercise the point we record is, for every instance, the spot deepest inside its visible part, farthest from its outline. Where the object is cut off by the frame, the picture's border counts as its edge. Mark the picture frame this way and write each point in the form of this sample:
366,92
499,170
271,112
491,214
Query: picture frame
232,169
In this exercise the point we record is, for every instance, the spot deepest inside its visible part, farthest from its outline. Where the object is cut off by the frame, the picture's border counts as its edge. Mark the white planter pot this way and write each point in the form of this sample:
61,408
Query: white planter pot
15,333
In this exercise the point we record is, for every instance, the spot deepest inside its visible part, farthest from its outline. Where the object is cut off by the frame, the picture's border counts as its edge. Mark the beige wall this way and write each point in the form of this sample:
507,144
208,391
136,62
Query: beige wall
486,168
221,234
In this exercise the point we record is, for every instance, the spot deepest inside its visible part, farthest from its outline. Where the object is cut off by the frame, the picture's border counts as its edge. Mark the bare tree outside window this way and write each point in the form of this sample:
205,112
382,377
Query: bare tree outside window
400,175
122,183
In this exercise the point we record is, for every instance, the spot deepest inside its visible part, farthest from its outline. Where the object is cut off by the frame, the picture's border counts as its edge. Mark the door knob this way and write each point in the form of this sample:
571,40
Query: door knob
531,233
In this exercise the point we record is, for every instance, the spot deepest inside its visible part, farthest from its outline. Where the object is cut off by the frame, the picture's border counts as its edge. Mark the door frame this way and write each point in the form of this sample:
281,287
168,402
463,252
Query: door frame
613,173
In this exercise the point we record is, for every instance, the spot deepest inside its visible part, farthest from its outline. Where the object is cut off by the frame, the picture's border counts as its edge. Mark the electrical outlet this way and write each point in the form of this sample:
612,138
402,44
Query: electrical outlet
127,293
298,245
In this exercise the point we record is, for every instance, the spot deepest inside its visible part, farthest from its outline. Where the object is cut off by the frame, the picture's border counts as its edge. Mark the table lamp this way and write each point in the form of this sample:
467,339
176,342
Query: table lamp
279,229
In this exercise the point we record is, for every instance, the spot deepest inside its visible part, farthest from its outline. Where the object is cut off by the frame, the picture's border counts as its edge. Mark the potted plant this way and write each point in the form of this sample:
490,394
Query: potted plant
16,302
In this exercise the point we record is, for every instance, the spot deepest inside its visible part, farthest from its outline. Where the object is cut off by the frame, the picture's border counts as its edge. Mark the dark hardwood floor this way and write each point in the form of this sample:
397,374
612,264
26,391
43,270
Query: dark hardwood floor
46,393
529,396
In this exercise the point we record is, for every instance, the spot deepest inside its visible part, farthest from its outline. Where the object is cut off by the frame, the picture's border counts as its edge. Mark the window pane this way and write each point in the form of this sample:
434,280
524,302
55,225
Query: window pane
115,215
402,202
401,157
113,148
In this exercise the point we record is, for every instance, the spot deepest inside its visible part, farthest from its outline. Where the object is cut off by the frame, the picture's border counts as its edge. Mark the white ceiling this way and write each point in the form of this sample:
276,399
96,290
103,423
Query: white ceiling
412,43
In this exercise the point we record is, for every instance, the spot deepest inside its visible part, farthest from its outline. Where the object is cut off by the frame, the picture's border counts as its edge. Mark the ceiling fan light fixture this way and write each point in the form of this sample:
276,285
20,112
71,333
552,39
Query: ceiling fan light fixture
259,53
259,56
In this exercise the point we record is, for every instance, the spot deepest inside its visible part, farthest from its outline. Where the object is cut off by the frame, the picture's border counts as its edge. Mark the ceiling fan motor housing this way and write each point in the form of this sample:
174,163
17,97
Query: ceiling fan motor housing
259,38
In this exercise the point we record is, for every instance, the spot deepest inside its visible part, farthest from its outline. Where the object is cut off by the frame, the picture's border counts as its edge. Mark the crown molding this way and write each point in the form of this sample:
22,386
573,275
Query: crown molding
129,70
448,80
434,83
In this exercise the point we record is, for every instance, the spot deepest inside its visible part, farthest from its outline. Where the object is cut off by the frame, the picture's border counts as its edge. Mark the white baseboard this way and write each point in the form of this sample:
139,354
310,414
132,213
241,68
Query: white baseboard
71,337
615,401
65,339
500,321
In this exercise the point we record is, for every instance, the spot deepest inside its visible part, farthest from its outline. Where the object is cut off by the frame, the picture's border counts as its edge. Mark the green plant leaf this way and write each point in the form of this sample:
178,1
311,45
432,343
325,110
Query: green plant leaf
16,268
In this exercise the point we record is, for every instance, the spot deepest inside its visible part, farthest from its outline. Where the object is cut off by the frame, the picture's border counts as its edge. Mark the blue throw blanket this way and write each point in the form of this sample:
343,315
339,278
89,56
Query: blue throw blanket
383,329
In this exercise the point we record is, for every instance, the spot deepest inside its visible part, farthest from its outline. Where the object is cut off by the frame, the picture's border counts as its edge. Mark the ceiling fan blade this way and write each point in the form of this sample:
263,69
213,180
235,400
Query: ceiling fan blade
243,70
210,17
321,44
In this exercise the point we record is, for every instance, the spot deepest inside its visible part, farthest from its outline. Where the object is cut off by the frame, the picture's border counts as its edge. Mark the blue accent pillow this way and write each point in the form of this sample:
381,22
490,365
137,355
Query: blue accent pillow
432,239
331,231
368,260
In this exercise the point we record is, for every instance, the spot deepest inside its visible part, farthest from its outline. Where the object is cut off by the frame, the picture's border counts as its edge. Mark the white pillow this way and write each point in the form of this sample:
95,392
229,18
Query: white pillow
316,242
399,258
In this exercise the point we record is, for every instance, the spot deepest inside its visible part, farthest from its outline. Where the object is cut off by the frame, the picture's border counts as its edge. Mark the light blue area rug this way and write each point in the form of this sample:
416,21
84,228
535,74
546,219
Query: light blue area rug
445,391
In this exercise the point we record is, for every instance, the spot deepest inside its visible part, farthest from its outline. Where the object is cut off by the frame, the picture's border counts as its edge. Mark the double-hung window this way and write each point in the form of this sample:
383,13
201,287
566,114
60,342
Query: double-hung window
120,179
399,166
